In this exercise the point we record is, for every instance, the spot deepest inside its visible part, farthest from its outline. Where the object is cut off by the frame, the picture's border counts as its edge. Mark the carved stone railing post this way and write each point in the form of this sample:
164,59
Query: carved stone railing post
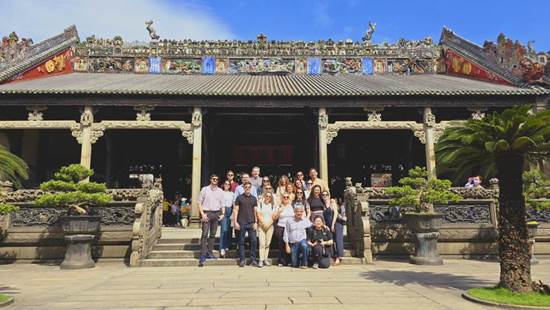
493,186
147,227
358,226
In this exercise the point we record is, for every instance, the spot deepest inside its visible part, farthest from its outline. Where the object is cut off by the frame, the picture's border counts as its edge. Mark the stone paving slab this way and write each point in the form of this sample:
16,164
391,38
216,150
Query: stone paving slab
386,284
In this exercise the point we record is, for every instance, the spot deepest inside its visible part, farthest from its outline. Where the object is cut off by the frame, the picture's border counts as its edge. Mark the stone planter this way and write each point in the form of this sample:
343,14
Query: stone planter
532,228
425,228
80,231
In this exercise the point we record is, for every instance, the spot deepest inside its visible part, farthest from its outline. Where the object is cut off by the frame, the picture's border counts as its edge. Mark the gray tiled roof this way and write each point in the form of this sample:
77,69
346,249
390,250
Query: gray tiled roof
41,51
262,85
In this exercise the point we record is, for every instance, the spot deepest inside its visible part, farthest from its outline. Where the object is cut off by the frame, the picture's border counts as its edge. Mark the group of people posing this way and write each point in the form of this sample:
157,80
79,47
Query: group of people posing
307,224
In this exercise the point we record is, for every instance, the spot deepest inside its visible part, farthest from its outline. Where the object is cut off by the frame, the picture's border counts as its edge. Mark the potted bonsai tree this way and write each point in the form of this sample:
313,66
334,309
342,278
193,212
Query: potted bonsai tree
421,192
70,189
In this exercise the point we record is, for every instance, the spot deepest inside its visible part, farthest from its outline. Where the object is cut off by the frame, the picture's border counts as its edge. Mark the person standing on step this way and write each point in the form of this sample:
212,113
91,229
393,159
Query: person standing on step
226,231
256,180
317,181
266,211
245,209
284,213
230,176
211,212
245,178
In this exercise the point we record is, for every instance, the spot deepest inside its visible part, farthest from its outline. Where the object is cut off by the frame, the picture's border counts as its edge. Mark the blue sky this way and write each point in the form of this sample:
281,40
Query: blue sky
282,19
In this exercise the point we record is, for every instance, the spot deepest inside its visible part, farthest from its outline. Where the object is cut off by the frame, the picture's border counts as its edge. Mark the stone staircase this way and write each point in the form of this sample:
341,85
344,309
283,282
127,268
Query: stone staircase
181,247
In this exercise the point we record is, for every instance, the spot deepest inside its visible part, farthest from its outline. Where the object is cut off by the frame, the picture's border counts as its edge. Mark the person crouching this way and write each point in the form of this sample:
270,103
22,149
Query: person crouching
320,240
295,238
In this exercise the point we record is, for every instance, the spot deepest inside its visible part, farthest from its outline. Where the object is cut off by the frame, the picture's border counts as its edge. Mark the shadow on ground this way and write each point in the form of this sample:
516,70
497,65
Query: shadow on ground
425,278
8,290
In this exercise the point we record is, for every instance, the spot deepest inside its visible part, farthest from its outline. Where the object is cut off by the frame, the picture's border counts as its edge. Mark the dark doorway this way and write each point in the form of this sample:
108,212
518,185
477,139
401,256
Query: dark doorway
374,157
278,141
120,155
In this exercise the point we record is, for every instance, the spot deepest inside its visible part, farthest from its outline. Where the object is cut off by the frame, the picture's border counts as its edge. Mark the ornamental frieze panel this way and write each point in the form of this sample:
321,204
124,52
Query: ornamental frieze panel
452,214
41,216
110,65
261,65
181,66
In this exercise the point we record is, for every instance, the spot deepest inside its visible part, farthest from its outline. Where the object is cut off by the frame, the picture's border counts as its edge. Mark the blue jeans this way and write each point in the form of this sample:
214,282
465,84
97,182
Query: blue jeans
299,248
253,241
226,232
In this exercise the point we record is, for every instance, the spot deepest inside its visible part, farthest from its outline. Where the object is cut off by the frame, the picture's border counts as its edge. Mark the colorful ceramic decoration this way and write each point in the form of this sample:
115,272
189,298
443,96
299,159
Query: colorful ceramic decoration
80,64
458,65
56,65
208,65
367,65
222,65
314,66
301,66
379,66
181,66
141,65
259,65
154,64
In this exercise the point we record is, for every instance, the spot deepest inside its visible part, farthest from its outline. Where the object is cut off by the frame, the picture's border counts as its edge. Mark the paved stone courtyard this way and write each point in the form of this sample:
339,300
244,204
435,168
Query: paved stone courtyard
397,285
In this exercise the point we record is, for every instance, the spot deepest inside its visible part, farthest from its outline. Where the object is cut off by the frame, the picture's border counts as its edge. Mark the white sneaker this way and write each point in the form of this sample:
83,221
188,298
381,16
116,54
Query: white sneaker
222,253
260,264
267,263
315,266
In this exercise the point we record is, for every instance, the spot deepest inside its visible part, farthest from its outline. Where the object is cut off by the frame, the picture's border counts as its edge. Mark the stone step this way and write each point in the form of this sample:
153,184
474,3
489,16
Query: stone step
181,241
170,254
193,246
187,262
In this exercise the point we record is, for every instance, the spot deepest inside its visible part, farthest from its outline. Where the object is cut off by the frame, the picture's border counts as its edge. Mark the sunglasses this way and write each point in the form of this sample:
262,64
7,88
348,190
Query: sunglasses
299,174
266,181
286,197
230,174
325,194
268,188
299,192
214,179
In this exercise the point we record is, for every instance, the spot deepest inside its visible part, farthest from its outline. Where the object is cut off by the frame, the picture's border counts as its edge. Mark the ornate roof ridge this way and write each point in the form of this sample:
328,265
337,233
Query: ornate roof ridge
38,52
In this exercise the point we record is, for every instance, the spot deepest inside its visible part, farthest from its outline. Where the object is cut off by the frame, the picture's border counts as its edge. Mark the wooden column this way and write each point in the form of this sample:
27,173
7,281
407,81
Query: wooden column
323,145
86,122
197,160
429,122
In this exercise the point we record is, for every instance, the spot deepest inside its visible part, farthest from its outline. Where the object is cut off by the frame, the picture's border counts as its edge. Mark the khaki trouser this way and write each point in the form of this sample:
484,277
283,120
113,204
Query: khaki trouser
265,241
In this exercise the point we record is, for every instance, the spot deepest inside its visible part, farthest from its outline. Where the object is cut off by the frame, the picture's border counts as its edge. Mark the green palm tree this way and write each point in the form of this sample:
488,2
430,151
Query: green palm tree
12,168
499,145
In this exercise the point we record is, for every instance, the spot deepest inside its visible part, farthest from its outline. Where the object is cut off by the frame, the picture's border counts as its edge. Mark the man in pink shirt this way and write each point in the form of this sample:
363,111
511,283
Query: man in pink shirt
211,212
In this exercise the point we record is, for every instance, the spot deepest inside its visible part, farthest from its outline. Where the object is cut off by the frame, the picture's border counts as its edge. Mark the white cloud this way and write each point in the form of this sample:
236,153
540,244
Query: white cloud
41,19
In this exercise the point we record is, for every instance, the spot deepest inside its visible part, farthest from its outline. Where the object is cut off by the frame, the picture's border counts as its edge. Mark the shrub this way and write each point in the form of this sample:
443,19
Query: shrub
68,189
421,192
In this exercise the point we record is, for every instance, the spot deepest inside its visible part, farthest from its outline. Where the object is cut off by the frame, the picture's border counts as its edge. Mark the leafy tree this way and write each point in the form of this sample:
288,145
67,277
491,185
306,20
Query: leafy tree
536,187
422,192
12,168
68,190
499,145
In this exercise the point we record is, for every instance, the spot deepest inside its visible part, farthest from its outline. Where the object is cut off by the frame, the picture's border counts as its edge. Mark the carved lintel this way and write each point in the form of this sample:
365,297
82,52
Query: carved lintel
374,114
35,113
323,120
86,118
37,124
429,119
143,112
188,134
478,113
420,134
196,118
331,134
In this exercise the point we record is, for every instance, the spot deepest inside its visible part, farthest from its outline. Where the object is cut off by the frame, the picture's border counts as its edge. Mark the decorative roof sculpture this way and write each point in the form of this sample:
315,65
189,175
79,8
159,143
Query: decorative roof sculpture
152,32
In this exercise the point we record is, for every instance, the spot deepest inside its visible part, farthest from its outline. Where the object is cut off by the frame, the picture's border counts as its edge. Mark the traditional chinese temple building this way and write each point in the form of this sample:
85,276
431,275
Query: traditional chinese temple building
185,109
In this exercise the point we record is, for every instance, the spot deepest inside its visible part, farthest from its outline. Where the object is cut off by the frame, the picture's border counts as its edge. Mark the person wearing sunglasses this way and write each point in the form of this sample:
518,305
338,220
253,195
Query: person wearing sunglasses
284,213
265,182
230,176
300,177
300,200
245,209
211,212
226,231
265,214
